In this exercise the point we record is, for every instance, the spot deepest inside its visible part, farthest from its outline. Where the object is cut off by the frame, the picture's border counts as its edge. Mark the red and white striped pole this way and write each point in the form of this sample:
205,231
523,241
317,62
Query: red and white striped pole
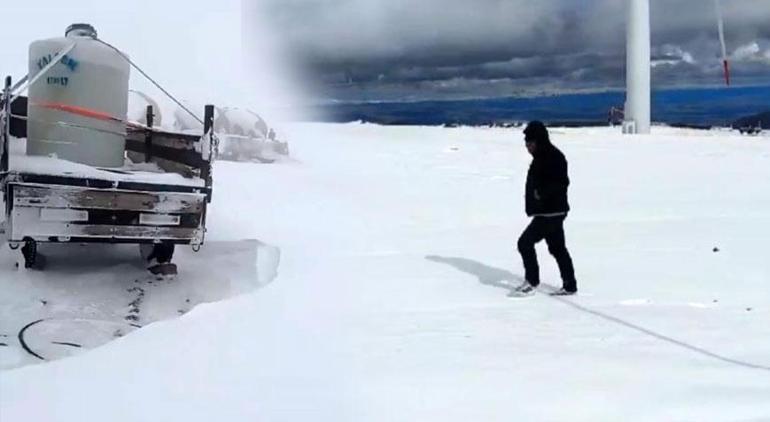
721,27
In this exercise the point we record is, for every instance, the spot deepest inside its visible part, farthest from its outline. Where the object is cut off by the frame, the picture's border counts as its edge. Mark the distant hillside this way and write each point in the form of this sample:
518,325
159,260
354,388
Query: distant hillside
761,119
701,108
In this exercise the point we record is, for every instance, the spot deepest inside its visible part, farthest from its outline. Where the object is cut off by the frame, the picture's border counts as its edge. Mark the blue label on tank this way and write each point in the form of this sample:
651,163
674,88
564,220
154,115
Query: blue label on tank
71,63
43,62
66,60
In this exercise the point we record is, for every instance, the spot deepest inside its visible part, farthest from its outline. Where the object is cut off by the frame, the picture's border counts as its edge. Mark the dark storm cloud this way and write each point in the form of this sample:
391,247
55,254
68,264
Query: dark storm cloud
379,48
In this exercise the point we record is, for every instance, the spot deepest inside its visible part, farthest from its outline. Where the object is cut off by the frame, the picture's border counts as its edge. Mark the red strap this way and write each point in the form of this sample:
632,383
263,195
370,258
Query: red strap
80,111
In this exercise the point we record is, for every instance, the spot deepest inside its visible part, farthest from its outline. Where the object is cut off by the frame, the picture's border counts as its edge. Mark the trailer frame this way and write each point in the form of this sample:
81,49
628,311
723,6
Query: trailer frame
43,207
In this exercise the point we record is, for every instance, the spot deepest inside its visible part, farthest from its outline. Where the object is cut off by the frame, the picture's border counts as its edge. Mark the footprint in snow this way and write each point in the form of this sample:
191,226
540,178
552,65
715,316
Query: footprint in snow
636,302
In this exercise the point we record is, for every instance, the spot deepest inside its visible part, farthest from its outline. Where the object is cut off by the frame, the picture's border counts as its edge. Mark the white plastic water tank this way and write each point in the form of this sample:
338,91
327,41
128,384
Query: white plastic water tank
76,110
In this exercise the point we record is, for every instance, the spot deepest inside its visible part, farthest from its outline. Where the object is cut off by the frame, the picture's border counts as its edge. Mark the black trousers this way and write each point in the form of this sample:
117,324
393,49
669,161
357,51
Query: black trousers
552,230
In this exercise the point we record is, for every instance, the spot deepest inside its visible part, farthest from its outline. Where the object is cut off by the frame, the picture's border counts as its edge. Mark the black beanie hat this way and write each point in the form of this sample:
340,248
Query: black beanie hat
536,132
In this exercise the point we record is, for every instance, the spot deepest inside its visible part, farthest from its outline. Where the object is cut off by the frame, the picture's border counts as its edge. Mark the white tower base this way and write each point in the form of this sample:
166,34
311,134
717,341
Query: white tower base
637,109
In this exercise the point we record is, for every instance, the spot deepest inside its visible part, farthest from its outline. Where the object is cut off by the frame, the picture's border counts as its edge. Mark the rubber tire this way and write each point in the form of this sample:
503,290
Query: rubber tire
29,251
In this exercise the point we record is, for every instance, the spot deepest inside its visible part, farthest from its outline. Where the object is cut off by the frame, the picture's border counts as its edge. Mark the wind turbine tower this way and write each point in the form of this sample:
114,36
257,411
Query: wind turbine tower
637,108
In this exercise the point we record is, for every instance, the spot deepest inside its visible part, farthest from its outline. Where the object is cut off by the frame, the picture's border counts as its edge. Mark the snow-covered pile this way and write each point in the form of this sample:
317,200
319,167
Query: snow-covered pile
397,247
243,134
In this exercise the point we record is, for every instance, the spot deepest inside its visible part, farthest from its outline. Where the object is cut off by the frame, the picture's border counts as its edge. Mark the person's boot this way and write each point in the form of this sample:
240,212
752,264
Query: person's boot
524,289
563,292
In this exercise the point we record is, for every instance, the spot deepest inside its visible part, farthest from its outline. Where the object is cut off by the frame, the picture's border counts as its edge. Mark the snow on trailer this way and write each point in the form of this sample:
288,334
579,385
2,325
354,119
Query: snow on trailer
54,189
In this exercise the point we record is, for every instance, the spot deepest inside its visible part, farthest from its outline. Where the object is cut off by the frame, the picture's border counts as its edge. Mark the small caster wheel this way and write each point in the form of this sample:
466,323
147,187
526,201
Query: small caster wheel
157,252
32,258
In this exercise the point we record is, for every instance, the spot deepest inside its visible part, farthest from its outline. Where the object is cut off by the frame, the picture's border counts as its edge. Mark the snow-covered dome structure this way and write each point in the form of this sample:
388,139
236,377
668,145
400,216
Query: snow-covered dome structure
243,134
242,122
183,121
137,108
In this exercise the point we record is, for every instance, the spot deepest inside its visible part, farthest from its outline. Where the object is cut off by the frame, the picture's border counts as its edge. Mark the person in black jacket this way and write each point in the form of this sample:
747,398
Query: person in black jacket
546,202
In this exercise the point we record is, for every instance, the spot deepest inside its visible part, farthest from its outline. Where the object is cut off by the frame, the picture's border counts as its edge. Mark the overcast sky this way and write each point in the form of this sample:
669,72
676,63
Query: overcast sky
266,53
193,48
386,49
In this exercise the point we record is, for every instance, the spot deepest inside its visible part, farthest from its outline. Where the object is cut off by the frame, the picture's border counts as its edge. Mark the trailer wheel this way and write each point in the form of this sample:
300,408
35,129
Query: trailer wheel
162,252
29,251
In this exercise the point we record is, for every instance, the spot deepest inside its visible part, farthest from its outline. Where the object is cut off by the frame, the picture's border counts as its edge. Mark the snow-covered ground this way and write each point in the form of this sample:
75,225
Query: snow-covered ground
397,247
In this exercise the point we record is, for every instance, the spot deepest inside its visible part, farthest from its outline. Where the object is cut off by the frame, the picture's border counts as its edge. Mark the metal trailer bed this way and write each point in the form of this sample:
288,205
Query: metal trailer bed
51,204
